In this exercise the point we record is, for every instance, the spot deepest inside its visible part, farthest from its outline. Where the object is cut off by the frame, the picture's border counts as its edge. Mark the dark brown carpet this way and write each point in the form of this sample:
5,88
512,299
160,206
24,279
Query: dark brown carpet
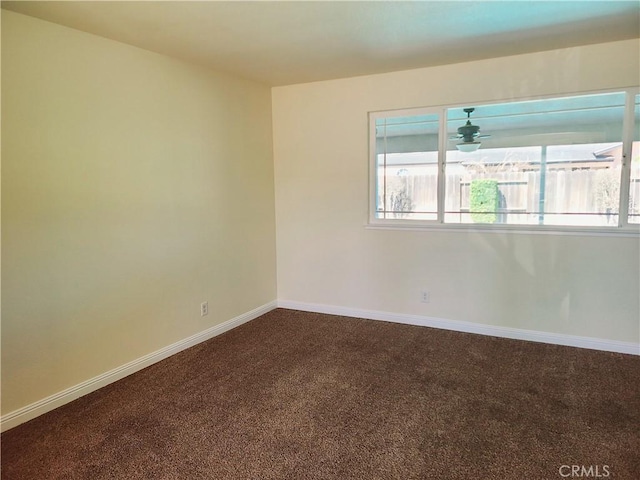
295,395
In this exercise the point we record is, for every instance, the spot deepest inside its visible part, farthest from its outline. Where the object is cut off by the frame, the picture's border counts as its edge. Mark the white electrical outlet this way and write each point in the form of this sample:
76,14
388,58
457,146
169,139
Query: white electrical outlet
204,309
424,296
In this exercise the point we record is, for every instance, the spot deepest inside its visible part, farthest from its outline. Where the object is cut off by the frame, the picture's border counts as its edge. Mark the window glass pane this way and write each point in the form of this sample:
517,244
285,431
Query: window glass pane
407,167
543,162
634,187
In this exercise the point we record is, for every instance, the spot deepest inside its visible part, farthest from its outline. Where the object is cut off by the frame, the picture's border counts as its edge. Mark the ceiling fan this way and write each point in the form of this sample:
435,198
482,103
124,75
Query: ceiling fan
469,134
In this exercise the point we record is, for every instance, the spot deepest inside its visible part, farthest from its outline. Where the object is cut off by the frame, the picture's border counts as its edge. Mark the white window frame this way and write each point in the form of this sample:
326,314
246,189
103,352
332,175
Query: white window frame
623,229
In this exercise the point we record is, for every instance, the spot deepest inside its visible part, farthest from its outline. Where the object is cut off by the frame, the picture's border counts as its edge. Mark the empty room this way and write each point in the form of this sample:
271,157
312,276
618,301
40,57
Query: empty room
320,240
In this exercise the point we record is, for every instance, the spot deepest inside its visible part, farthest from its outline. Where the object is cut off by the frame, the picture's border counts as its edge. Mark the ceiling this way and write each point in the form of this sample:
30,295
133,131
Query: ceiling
287,42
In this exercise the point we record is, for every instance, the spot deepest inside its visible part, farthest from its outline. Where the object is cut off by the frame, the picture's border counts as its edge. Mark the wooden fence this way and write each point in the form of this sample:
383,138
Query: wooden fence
581,197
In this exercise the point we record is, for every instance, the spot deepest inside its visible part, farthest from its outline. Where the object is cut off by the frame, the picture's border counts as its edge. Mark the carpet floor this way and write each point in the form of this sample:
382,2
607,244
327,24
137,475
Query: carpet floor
295,395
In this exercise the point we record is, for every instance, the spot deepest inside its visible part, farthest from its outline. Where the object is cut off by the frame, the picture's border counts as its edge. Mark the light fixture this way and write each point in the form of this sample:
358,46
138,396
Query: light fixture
468,147
469,134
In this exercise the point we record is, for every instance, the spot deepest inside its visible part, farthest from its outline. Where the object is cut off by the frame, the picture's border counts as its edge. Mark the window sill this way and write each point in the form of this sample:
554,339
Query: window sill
628,231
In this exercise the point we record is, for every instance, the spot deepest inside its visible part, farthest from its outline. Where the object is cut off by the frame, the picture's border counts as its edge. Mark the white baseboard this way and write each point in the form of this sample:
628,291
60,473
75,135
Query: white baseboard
33,410
470,327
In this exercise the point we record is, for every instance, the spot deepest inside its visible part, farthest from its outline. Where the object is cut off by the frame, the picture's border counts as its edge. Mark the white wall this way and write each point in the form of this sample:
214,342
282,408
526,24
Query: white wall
574,285
134,187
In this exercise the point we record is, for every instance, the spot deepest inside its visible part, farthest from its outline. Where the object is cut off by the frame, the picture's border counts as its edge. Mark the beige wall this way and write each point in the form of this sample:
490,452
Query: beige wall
576,285
134,187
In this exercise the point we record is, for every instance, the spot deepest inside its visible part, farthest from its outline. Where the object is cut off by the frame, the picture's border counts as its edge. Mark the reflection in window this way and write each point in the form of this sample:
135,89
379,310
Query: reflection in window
549,162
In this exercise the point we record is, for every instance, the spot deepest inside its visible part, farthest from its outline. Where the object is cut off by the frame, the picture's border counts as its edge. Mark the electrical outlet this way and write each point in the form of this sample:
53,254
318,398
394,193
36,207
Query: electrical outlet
204,309
425,296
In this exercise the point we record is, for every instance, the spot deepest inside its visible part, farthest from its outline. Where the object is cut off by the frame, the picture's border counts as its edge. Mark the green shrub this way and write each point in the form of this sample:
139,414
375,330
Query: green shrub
483,201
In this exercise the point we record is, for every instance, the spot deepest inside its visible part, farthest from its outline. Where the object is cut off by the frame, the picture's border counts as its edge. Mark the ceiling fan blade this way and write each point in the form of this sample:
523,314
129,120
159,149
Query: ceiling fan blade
458,137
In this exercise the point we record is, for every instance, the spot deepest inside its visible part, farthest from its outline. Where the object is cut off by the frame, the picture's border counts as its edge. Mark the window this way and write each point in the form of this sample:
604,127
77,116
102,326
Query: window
407,167
550,163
